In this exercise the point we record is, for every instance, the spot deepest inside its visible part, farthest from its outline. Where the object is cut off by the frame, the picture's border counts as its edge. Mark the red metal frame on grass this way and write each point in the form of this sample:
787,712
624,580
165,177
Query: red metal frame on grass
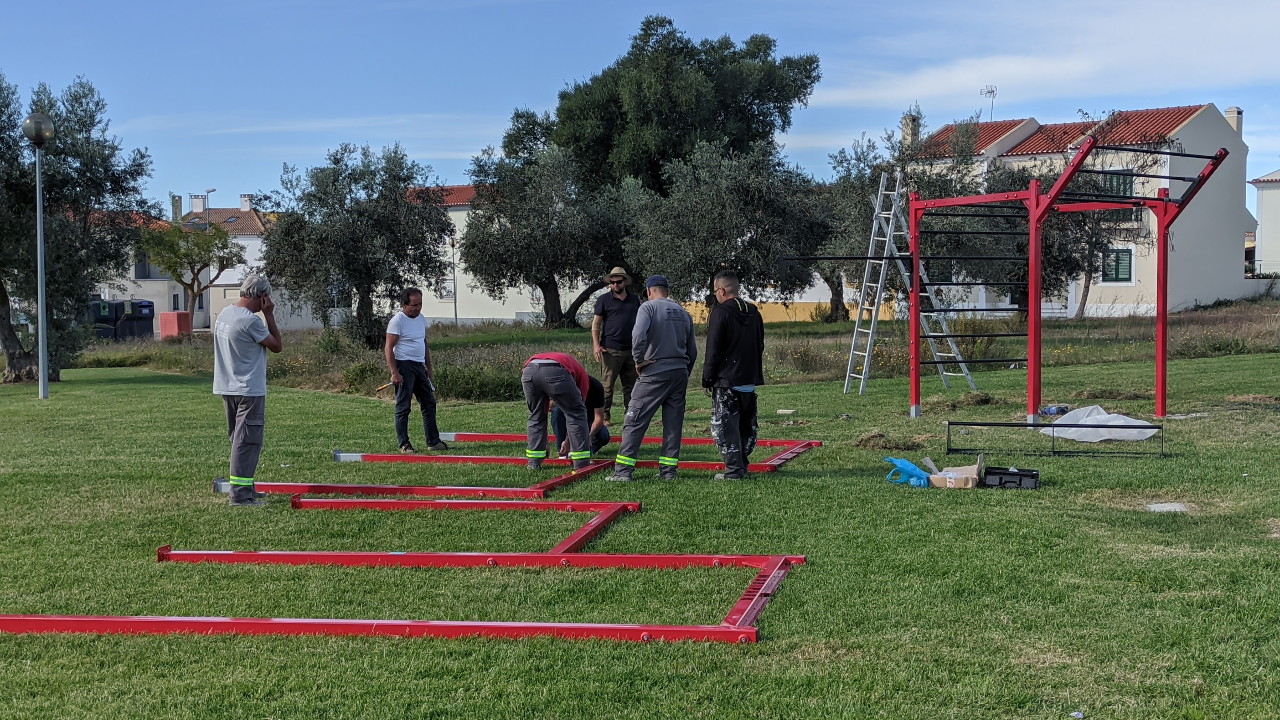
790,449
737,627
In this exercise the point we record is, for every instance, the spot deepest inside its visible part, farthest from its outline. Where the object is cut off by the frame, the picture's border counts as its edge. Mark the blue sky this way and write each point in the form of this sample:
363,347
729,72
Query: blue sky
224,93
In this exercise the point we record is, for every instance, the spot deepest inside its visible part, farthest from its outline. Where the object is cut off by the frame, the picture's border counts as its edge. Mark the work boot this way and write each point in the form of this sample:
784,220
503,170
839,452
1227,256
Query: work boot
620,476
438,446
535,464
581,464
666,474
407,449
245,496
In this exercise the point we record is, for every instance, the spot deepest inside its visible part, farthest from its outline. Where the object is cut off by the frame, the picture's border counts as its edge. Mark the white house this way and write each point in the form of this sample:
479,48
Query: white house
1206,262
1266,254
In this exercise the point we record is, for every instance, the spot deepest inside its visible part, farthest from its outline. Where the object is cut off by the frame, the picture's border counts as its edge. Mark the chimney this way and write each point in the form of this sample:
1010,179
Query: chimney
246,203
1235,118
175,200
197,203
910,129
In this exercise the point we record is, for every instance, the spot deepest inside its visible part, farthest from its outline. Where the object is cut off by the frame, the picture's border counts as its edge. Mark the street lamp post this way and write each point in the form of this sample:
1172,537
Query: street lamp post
39,130
208,197
453,262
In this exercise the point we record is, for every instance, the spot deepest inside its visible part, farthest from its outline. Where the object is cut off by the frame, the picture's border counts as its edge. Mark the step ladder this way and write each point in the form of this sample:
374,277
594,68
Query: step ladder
887,228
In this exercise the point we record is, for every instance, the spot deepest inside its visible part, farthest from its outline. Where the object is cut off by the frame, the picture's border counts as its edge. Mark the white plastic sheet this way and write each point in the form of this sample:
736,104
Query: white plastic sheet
1095,415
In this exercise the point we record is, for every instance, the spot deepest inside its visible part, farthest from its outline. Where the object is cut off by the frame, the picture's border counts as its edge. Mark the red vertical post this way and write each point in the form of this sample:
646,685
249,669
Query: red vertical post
1162,301
913,329
1036,210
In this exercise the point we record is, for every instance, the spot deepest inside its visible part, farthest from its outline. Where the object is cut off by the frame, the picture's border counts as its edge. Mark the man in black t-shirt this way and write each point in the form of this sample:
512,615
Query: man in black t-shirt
615,317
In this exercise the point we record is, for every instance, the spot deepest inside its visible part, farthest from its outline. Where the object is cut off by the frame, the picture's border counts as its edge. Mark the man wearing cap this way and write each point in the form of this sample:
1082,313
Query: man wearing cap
615,318
664,349
241,340
556,377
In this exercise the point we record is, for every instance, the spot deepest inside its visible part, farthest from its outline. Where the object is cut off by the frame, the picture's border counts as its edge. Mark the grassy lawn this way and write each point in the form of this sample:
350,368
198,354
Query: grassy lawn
914,604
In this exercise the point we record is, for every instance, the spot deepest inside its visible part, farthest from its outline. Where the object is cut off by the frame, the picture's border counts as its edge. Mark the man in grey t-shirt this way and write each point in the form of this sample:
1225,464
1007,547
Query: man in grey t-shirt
240,343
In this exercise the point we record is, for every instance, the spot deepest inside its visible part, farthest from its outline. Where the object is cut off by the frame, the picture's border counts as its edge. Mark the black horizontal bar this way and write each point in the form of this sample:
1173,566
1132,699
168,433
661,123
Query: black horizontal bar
973,310
1019,233
1113,198
1168,153
971,335
1125,173
831,258
967,362
972,257
1041,426
974,282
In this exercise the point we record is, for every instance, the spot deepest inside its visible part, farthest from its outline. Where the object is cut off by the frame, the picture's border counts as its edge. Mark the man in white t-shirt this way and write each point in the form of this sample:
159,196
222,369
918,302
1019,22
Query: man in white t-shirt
241,340
409,360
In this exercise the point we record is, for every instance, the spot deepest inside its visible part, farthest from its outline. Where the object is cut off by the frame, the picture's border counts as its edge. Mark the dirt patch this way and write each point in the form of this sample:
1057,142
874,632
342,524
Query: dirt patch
1273,528
1109,394
1254,399
969,399
1044,657
879,441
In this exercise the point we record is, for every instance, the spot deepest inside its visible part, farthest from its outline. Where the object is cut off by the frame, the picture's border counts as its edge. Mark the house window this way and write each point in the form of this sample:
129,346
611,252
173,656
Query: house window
200,301
143,269
1119,185
177,302
1117,265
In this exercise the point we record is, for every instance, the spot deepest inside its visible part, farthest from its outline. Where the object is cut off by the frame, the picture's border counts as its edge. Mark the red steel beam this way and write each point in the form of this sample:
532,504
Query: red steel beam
759,592
467,559
594,526
301,503
520,437
155,625
570,477
286,488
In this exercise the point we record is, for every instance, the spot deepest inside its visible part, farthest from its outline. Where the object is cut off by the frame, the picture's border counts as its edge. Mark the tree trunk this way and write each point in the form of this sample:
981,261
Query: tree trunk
1084,295
370,334
838,312
579,301
555,317
21,365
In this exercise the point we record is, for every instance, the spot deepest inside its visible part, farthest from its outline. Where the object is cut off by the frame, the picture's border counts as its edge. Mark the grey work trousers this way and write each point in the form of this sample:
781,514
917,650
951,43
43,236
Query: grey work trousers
246,418
550,381
664,390
734,427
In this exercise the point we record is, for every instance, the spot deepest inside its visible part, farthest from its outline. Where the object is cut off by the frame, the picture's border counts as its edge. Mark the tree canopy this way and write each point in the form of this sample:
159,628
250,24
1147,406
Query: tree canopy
669,93
93,210
741,211
363,225
533,224
187,252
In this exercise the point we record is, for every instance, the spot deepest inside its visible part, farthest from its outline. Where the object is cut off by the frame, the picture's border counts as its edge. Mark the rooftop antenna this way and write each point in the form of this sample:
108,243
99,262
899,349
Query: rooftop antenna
990,92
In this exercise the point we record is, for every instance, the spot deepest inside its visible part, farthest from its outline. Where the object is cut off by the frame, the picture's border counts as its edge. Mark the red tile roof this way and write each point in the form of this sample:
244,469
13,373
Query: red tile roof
1051,139
938,144
1125,127
459,195
1134,127
234,220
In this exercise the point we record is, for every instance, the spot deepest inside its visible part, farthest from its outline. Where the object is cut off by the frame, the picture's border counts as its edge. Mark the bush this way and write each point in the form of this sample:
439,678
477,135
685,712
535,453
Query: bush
363,377
479,384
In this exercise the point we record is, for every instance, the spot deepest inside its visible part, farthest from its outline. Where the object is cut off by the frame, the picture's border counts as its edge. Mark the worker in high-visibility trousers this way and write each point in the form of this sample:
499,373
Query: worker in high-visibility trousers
241,340
665,350
559,378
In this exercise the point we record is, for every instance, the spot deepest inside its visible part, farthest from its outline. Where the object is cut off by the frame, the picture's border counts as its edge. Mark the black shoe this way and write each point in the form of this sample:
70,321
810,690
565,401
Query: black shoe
245,496
581,464
535,464
620,477
667,476
438,446
407,449
726,476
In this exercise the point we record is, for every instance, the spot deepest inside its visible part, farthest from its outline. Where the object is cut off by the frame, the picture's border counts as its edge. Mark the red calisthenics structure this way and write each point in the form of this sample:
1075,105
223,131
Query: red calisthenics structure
738,625
1037,205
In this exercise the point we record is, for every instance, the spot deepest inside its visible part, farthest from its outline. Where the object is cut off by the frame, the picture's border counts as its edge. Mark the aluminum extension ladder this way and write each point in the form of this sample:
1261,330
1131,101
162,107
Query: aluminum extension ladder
889,224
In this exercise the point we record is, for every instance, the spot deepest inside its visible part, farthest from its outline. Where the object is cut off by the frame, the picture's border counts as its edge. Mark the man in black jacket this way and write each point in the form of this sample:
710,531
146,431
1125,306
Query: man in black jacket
734,366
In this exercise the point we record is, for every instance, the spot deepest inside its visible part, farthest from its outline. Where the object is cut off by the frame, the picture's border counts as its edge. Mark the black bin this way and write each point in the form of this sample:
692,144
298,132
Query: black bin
105,316
137,319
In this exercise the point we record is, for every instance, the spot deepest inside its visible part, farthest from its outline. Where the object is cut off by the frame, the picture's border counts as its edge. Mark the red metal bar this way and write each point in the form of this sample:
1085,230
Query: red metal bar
777,460
1019,196
913,331
1037,209
594,527
1069,173
301,503
570,477
402,628
465,559
759,592
284,488
1165,215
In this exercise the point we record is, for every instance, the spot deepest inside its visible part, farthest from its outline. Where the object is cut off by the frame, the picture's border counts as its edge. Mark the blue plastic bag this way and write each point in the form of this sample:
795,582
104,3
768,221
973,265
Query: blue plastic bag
906,473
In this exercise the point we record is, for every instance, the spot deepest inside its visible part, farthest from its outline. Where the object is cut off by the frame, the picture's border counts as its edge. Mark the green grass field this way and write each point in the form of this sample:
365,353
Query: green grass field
914,603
